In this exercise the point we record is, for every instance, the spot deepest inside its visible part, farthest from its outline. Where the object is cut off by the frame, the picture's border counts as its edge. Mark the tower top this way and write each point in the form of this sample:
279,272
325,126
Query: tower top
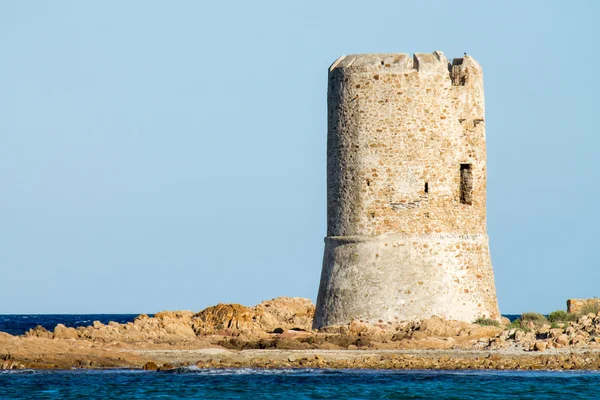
424,63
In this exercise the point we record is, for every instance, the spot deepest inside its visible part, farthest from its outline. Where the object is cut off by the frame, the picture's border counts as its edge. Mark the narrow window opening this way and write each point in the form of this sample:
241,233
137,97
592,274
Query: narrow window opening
368,182
466,184
426,187
457,73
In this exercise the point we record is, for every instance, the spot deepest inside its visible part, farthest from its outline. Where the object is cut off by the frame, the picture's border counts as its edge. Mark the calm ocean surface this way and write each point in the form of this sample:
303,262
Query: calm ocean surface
298,384
18,324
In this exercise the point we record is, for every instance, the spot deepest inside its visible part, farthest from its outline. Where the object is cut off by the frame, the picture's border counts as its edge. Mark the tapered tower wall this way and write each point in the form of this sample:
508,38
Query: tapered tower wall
406,186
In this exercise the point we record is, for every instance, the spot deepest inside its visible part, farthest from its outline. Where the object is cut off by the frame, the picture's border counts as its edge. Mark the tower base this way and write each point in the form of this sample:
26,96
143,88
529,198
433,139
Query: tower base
403,277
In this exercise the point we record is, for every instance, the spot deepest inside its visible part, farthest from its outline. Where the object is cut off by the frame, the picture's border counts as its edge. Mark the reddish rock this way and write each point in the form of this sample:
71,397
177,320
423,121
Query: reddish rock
150,366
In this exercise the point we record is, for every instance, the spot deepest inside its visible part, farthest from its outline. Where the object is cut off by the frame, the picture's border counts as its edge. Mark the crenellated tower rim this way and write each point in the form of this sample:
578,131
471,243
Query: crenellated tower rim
406,158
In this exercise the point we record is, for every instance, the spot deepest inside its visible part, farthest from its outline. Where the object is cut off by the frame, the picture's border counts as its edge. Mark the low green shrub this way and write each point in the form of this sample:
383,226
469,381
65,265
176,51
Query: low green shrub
515,324
591,307
518,324
561,316
486,322
536,318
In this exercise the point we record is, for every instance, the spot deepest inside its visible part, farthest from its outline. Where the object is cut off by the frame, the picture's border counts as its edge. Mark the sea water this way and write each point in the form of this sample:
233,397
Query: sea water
193,383
18,324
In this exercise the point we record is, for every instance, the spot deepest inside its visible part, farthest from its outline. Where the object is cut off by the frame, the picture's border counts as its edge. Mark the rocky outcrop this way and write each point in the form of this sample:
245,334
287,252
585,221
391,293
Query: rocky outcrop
281,313
283,324
436,333
582,334
7,362
62,332
290,312
436,326
40,331
164,327
225,319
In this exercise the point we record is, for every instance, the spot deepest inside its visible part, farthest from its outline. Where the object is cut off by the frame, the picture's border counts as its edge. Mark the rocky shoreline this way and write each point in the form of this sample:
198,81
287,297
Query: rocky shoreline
278,334
384,359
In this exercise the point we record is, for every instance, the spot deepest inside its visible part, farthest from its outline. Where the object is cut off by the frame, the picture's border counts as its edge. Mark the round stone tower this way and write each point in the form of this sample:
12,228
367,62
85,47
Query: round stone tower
406,181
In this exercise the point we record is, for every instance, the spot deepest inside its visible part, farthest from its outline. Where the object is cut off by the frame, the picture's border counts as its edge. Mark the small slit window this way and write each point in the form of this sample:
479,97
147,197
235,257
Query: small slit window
466,184
457,73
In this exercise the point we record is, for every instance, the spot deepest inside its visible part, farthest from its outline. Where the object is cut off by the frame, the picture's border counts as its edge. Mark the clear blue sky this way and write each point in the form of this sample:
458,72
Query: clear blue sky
171,154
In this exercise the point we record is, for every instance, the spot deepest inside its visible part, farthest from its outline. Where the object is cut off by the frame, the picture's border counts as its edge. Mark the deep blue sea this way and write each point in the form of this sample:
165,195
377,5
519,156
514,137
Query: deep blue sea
18,324
298,384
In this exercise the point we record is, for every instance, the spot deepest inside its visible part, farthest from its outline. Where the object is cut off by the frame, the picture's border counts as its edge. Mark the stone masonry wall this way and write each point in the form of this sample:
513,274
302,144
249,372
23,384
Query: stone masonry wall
406,158
578,306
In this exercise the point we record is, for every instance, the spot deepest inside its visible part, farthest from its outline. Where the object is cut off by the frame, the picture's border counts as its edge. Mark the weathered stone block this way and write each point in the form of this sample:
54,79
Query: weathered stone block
578,306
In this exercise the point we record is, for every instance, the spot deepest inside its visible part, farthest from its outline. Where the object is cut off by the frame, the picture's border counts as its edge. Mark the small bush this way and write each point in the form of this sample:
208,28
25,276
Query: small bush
557,316
591,306
536,318
518,324
561,316
486,322
515,324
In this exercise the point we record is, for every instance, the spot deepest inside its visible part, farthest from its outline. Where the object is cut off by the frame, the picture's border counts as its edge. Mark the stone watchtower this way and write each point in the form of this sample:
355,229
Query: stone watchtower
406,180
